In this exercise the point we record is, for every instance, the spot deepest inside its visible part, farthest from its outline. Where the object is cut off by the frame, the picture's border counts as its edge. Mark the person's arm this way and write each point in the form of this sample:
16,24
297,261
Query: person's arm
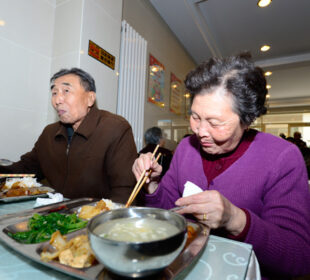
28,164
118,162
281,234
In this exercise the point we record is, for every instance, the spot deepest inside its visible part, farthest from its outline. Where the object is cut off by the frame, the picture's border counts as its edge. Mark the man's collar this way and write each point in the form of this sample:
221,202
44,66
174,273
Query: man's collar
87,126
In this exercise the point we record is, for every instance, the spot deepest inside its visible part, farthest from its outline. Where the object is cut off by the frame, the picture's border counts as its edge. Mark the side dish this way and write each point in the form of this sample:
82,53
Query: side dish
21,187
75,253
41,227
88,211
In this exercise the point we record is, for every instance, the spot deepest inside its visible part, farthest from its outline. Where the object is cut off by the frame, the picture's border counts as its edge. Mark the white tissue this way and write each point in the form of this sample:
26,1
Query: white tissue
190,189
53,198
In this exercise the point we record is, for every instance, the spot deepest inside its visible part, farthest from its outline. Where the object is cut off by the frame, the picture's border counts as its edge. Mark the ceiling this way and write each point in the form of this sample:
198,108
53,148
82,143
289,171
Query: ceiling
225,27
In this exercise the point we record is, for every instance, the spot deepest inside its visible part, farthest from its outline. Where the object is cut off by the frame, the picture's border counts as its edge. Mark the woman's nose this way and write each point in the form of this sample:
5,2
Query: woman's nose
203,128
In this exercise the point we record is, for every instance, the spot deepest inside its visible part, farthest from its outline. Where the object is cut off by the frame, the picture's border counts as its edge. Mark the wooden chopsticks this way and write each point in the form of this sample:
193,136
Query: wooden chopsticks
141,180
17,175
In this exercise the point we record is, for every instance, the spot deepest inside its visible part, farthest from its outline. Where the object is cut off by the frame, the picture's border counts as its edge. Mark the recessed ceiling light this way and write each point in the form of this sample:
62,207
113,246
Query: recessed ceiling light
2,22
268,73
265,48
263,3
268,86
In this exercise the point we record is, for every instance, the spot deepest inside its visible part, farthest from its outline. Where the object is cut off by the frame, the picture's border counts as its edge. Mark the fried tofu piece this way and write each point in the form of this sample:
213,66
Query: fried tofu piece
88,211
75,253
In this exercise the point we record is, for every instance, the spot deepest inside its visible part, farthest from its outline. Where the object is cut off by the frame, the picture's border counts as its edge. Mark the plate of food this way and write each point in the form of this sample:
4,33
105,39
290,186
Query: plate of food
22,188
69,251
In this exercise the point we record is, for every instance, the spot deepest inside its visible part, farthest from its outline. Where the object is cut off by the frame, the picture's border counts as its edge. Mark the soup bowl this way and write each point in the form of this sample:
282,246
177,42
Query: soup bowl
129,255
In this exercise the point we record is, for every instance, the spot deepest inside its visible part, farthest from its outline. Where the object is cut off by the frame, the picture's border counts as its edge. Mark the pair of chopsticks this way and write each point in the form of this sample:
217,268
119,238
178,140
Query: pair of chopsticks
16,175
141,180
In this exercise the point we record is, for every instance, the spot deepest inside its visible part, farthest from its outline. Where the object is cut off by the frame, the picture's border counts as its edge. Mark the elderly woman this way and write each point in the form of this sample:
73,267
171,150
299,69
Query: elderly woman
254,185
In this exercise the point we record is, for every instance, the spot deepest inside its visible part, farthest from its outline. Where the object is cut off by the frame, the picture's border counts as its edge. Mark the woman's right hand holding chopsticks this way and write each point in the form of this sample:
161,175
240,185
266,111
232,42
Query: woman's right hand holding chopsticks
145,163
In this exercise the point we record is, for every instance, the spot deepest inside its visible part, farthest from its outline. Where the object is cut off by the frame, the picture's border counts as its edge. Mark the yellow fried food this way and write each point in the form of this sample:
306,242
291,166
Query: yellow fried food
75,253
88,211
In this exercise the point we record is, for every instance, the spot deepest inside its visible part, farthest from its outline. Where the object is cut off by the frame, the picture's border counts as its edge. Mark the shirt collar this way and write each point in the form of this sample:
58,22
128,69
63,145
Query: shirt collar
87,126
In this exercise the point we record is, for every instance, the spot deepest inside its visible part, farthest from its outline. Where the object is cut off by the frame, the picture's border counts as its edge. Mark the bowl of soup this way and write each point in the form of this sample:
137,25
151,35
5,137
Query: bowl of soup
137,241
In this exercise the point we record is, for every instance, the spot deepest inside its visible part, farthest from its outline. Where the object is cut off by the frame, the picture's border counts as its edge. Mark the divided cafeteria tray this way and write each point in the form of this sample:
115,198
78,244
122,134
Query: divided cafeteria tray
18,222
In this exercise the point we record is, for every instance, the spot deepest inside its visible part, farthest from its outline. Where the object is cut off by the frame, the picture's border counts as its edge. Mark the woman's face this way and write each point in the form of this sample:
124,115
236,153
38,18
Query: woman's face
214,122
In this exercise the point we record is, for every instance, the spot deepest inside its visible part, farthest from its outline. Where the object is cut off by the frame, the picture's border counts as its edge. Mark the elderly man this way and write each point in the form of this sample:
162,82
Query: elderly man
89,152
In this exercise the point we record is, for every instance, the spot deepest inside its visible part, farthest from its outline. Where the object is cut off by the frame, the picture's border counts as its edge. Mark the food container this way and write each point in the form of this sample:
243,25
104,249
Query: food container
137,259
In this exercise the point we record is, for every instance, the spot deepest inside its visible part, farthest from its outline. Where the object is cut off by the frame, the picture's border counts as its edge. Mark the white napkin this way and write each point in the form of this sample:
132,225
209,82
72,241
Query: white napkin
190,188
53,198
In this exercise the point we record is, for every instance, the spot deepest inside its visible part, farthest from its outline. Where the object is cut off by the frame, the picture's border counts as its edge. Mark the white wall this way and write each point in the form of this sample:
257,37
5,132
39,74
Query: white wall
66,40
25,55
102,25
39,38
164,46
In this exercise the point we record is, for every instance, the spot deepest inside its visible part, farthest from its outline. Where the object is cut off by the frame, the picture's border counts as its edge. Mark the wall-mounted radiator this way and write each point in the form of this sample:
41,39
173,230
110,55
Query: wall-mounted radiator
132,77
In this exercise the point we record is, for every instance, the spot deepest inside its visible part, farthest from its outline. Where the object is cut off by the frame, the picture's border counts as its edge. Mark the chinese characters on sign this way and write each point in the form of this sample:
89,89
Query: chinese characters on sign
156,82
176,96
101,55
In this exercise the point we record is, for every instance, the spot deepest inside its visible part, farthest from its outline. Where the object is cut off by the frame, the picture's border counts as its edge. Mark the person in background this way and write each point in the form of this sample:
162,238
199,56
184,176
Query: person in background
282,135
253,185
298,141
88,152
305,151
153,137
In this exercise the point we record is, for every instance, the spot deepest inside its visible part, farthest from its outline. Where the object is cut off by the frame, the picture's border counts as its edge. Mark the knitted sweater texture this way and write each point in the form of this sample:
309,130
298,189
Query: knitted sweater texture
270,181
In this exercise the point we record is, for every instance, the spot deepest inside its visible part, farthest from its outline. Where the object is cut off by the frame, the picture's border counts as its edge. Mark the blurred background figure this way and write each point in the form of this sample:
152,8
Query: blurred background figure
298,141
152,137
305,151
282,135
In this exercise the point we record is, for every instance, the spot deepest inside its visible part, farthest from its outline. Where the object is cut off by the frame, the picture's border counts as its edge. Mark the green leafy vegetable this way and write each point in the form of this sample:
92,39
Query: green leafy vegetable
42,227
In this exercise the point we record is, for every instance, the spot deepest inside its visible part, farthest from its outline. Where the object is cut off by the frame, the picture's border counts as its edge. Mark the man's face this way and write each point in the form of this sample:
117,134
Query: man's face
71,101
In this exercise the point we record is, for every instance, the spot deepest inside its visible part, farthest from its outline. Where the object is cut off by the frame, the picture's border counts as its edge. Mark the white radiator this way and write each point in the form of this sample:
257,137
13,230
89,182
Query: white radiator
132,77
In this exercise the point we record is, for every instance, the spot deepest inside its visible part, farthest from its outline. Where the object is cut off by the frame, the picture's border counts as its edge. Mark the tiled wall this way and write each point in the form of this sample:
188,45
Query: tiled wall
39,38
25,57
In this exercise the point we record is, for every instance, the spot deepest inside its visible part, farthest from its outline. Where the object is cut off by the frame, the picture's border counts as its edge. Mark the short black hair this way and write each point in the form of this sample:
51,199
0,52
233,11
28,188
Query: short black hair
239,77
153,135
87,81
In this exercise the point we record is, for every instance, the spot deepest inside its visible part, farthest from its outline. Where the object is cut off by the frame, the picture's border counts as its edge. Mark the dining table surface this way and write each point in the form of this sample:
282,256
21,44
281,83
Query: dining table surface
221,258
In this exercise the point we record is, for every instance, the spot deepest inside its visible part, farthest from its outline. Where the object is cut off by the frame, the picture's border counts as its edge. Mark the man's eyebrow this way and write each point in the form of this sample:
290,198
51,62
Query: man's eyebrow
65,84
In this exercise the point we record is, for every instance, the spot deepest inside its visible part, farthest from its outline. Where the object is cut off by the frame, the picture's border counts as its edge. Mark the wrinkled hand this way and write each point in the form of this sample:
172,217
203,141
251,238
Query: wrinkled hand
146,162
214,210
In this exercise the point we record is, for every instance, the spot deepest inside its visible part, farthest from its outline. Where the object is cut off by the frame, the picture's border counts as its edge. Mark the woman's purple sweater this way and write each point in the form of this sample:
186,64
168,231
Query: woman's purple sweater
270,181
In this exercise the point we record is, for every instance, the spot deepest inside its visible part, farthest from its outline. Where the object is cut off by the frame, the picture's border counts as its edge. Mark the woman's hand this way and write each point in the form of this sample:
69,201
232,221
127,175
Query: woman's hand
214,210
146,162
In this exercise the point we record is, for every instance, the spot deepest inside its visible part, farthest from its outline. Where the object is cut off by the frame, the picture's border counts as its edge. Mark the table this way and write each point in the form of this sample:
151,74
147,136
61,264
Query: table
221,259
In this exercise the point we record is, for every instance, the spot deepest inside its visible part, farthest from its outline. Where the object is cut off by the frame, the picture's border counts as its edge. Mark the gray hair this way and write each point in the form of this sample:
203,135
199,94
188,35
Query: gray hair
153,135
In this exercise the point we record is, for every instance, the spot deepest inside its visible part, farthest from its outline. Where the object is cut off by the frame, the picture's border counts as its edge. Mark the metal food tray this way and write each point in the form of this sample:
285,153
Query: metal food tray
18,222
27,197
